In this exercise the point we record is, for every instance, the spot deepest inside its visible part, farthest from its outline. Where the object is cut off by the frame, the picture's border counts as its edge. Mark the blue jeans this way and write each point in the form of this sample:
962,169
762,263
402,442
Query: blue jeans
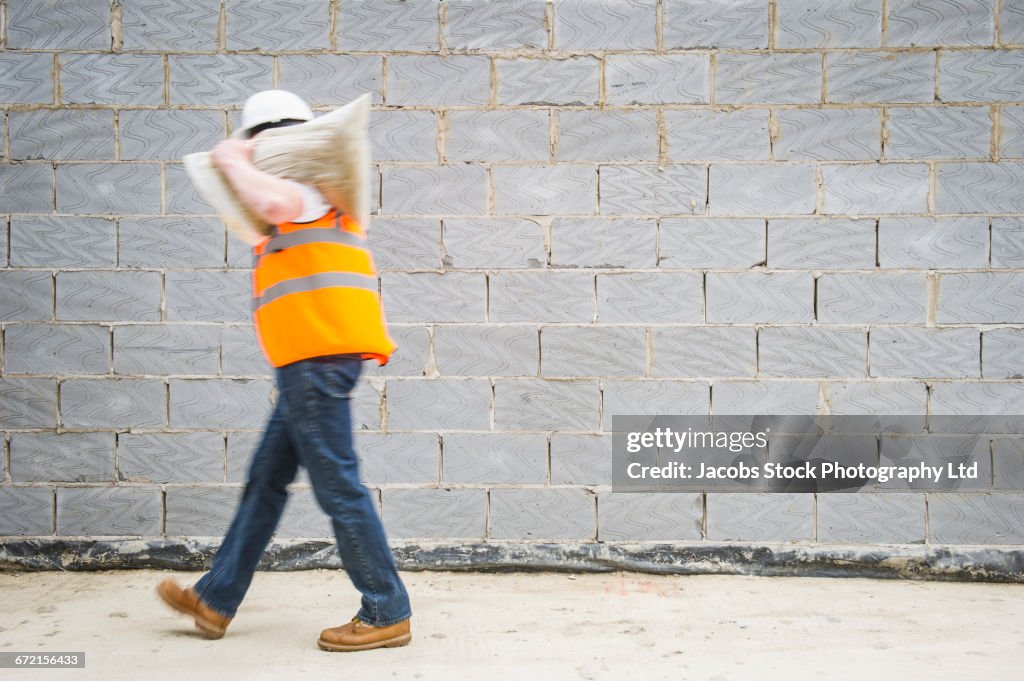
311,426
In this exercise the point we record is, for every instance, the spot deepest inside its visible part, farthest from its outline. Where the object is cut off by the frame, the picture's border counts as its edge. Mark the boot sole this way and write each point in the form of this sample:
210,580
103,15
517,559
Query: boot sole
203,626
396,642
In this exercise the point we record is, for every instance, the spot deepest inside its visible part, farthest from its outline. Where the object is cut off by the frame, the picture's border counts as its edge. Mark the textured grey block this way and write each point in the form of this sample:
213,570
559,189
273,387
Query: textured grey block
652,189
649,517
62,457
46,241
541,297
768,79
124,188
871,518
828,134
26,511
171,457
947,132
445,189
113,403
200,511
1008,464
980,298
406,243
663,297
239,253
658,79
964,22
108,296
409,359
498,136
26,296
939,450
59,134
933,242
182,196
439,404
404,135
493,243
136,79
109,511
740,24
241,354
534,404
1011,21
428,80
486,350
241,448
603,242
980,188
552,513
746,297
802,24
434,513
64,25
593,351
303,517
695,135
168,135
1011,132
572,80
875,188
495,458
26,188
56,349
211,79
399,25
605,24
283,24
850,298
215,403
208,296
976,518
485,25
703,351
880,77
699,242
762,189
607,136
28,78
28,403
398,457
545,190
877,397
170,25
821,244
622,397
171,242
159,349
433,296
332,78
962,398
764,397
807,352
1002,353
925,353
760,517
581,459
367,406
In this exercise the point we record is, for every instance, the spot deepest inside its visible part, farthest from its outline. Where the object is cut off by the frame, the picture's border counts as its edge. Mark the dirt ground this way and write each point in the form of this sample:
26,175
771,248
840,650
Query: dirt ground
531,626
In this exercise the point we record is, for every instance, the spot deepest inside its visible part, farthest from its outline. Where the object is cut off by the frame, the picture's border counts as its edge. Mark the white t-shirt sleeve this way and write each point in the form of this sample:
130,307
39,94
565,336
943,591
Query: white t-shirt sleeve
314,205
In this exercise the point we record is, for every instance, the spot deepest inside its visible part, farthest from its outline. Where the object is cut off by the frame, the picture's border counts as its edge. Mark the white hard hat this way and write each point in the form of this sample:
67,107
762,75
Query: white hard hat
271,106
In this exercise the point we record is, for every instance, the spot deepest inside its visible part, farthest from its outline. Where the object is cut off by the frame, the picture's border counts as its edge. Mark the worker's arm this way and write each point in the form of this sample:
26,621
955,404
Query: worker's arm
269,197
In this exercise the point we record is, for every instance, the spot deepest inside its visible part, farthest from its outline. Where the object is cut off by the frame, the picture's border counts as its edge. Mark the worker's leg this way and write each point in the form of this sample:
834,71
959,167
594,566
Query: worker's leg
273,466
316,397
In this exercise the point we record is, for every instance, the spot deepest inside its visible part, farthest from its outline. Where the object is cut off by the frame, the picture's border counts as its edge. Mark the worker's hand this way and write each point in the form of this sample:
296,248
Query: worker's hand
231,152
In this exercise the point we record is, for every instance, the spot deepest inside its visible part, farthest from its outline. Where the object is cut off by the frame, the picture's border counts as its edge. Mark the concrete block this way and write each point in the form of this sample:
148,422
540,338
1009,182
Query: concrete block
486,350
212,79
948,132
495,458
658,79
605,24
751,516
170,242
219,404
695,135
113,403
51,241
764,397
768,79
1008,464
1011,22
740,24
808,25
28,78
26,188
60,134
303,517
433,190
933,243
880,77
433,296
284,24
762,189
429,80
404,136
498,136
493,243
366,403
966,22
1002,353
709,243
545,190
410,358
572,80
603,242
541,297
650,517
26,296
171,457
536,404
241,448
811,243
483,25
895,518
552,513
939,450
652,397
332,78
976,518
765,297
581,459
589,135
170,25
56,349
1011,132
200,511
208,296
703,352
67,25
108,296
917,352
851,298
980,298
398,25
652,189
664,297
979,187
399,457
109,511
26,511
808,352
406,243
434,513
877,397
168,135
241,354
438,404
828,134
963,398
28,403
567,351
872,188
161,349
181,194
62,457
121,188
127,79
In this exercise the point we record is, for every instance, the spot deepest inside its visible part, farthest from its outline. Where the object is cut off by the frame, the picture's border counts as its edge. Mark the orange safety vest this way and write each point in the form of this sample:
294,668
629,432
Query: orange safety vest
315,293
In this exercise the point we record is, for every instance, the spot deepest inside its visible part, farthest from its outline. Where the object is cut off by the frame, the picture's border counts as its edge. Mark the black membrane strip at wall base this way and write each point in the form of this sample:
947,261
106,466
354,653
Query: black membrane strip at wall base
945,563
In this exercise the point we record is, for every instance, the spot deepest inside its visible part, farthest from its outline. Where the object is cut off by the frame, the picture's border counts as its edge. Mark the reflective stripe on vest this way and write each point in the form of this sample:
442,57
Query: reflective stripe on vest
315,281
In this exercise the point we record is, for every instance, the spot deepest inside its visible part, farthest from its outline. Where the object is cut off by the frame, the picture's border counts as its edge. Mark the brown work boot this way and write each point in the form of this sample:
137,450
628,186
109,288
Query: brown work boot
209,621
358,635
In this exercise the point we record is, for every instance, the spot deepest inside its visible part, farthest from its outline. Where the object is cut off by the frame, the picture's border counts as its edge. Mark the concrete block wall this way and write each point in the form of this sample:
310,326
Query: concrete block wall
581,208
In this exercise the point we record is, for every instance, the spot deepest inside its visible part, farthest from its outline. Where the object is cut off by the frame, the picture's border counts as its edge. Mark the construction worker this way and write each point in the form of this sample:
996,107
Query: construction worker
318,317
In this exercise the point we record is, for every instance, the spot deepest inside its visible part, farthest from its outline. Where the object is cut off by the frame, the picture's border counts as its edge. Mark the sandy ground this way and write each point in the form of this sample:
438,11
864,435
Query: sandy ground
531,626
